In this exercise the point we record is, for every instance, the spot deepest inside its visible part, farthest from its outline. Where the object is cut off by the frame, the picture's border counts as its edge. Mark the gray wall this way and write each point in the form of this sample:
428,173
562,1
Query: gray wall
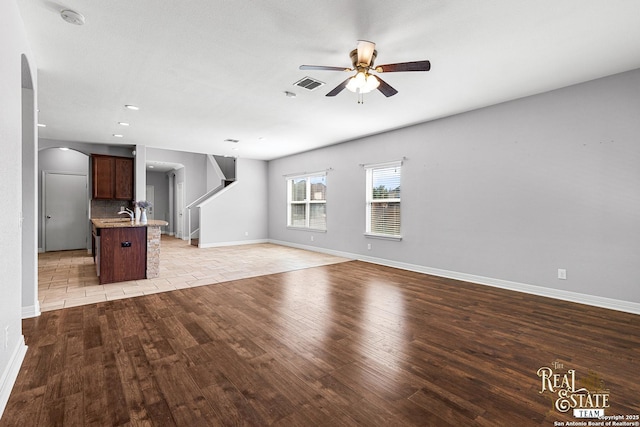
238,214
88,148
30,303
227,166
160,182
193,175
13,43
195,169
510,192
212,177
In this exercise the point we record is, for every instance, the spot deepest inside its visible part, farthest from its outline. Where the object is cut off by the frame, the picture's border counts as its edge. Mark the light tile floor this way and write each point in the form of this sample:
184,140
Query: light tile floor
68,278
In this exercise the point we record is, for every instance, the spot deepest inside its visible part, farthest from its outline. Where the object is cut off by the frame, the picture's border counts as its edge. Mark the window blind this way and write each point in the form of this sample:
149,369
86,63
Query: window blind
383,200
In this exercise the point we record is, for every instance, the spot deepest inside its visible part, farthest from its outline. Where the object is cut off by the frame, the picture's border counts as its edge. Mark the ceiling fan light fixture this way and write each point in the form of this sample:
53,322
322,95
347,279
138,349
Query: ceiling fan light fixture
363,83
357,82
363,58
352,85
365,52
371,84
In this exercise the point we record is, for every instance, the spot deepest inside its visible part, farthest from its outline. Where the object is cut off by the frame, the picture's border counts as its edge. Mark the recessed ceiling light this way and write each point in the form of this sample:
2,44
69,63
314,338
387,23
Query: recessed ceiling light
42,125
64,148
151,166
123,124
289,94
117,135
132,107
72,17
235,141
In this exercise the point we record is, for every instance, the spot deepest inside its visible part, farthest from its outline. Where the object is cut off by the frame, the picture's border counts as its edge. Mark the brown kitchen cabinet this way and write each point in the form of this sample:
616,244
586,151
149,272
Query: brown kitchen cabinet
122,254
112,177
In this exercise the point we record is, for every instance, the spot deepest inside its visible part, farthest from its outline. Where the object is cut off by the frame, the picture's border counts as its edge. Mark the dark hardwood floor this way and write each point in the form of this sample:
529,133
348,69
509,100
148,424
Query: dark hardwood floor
341,345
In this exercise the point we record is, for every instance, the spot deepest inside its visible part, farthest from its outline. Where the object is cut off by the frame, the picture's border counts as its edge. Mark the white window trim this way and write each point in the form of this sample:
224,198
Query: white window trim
307,201
369,200
382,236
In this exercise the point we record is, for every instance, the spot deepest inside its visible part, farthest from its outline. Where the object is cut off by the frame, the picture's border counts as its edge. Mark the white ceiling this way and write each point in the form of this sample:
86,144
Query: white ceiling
203,71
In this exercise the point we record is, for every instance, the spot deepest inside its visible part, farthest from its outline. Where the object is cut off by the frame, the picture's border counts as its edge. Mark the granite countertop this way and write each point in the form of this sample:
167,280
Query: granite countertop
125,222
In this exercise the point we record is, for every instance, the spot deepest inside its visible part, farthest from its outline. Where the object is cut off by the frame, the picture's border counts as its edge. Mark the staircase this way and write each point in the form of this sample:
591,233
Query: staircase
226,177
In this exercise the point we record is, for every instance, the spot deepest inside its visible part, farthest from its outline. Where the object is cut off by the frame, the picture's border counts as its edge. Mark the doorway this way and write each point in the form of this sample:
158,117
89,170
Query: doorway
29,218
65,211
151,197
180,211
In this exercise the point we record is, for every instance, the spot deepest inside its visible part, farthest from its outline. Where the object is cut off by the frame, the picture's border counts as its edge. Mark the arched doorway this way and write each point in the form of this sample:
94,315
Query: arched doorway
29,249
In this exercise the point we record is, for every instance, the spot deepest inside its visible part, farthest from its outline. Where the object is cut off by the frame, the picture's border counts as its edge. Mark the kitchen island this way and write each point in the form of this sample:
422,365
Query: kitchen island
124,250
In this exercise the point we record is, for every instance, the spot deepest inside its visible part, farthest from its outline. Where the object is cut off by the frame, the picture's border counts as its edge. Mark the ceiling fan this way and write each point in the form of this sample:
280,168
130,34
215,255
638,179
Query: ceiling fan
364,81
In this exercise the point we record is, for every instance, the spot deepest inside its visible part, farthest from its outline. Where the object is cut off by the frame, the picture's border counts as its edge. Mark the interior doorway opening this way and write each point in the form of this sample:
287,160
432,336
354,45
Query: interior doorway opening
29,191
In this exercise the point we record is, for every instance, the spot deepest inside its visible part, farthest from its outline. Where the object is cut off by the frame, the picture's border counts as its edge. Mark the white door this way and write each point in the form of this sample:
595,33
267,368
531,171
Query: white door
151,198
180,210
65,211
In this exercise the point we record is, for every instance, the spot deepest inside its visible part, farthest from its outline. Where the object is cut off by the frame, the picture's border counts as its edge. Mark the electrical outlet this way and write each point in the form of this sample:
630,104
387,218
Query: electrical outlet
246,233
562,274
369,246
312,238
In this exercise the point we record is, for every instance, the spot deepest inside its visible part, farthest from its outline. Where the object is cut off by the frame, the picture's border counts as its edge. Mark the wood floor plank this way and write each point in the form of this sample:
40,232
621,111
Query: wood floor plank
96,409
339,345
24,407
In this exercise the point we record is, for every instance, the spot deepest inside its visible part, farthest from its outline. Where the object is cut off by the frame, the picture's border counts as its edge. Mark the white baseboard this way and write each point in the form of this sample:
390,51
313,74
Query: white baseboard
596,301
8,378
316,249
239,242
31,311
40,250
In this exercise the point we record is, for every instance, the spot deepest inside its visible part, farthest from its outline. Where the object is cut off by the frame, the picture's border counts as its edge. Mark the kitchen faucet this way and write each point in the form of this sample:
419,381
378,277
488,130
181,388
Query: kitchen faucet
128,212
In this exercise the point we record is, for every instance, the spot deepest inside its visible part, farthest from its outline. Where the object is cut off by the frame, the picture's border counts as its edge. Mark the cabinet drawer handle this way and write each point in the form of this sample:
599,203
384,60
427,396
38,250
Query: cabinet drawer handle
126,244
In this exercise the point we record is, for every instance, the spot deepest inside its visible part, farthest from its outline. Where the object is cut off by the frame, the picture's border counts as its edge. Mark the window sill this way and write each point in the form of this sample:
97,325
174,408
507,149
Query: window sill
315,230
383,237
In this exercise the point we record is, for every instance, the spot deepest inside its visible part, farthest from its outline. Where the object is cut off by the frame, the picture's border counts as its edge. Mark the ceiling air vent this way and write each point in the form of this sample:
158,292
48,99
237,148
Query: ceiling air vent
309,83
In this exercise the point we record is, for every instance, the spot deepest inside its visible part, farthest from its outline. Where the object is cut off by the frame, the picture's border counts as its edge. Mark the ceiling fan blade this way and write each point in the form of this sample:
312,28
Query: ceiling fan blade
386,88
365,52
324,68
339,88
404,66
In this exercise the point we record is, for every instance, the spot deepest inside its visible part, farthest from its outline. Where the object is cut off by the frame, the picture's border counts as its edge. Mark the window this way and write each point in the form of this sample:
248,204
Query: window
307,202
383,200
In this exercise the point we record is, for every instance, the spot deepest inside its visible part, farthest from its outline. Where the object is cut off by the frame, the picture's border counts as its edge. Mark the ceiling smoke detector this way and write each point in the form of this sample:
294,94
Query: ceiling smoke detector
72,17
